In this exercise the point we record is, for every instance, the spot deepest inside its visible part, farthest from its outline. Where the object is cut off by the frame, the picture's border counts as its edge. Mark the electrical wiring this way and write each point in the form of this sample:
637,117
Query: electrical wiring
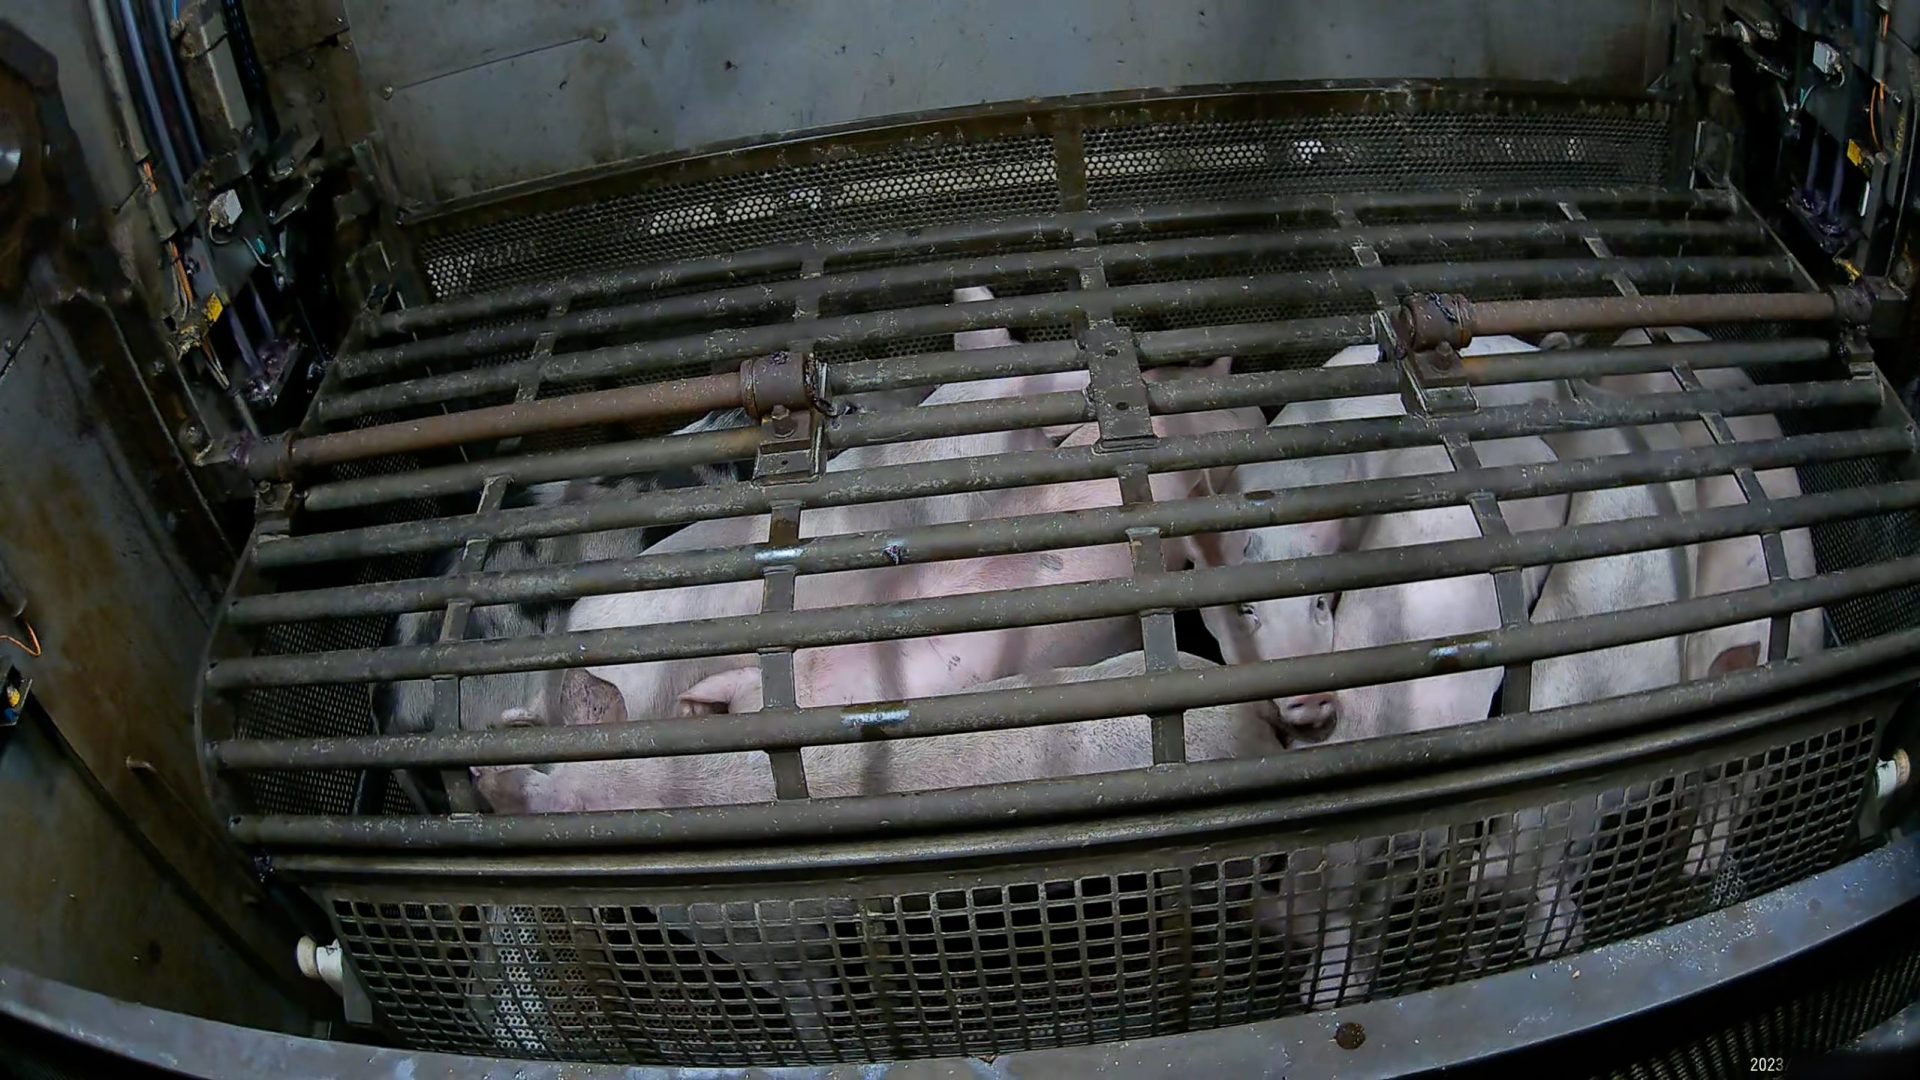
30,650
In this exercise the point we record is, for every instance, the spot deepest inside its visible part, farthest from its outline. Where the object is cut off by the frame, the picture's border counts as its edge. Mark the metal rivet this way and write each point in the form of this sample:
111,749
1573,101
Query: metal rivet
386,91
1349,1035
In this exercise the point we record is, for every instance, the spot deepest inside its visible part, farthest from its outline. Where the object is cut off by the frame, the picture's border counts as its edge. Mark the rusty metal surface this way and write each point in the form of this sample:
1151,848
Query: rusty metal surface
665,400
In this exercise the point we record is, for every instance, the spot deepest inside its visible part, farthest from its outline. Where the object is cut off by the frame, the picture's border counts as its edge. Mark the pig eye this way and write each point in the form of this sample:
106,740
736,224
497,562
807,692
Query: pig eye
1248,612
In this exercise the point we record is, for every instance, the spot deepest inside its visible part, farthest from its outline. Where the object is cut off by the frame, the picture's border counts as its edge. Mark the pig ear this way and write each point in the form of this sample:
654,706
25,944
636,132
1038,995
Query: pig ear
586,698
1215,549
722,693
1737,658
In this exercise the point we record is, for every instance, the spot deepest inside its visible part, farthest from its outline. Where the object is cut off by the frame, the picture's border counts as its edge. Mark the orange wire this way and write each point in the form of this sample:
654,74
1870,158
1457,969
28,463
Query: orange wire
30,650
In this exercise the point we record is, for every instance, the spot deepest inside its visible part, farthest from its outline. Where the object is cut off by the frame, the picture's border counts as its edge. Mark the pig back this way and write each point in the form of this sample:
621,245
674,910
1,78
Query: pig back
1035,753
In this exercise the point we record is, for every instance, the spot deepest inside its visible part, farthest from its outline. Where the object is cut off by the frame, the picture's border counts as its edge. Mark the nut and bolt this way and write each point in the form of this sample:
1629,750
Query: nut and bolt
782,419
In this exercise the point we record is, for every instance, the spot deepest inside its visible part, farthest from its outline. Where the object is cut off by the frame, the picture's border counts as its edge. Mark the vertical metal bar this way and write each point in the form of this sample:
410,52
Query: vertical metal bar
453,627
1772,548
1070,162
1509,586
777,687
473,559
529,387
1124,417
776,665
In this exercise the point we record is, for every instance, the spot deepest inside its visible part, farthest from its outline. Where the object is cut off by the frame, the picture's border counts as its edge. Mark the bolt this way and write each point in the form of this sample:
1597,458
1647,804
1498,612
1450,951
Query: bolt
1443,358
386,92
1349,1035
782,420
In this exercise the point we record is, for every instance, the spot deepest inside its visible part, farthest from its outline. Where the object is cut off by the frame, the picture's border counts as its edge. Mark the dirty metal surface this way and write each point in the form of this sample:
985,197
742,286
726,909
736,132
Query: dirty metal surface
474,104
1551,1002
116,608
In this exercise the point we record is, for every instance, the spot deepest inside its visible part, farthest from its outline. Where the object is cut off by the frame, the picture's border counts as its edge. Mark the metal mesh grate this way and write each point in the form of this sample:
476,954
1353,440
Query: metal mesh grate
1149,943
1430,151
923,186
1857,542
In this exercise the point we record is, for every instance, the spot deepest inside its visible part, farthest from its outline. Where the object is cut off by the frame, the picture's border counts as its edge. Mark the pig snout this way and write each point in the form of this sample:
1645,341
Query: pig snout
1307,717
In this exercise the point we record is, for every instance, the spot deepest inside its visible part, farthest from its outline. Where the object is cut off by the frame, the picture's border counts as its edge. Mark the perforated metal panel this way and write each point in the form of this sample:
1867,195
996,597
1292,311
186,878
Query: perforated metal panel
1434,151
929,186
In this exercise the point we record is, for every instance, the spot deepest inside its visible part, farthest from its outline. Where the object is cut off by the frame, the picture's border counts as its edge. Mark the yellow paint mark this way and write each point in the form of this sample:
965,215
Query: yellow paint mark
214,308
1853,272
1856,154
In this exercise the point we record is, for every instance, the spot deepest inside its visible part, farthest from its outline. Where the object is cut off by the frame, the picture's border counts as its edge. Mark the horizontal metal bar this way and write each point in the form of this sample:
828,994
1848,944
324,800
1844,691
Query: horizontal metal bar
1492,368
1015,267
894,848
928,479
671,398
1191,395
1053,307
1339,766
925,369
958,418
1626,312
1252,339
1160,692
612,459
758,261
1043,604
1042,532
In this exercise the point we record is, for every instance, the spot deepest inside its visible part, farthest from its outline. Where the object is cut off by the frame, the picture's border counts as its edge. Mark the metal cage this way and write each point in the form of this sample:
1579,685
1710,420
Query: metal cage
564,335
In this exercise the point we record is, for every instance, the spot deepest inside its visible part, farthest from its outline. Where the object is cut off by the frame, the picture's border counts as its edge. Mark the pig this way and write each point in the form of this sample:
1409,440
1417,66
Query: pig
889,670
1525,863
1726,566
912,668
518,698
784,962
898,765
1303,626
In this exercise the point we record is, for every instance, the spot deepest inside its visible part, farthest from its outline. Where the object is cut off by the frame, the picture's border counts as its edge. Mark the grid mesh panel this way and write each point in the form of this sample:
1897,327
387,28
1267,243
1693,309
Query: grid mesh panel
1432,151
308,711
1149,944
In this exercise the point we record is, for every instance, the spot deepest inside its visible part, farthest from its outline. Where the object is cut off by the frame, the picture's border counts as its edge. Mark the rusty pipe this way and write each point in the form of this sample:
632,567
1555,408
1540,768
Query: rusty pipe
1427,321
281,459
